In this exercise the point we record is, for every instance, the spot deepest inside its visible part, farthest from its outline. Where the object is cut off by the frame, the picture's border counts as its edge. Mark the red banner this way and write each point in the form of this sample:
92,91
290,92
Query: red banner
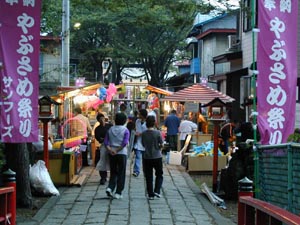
277,66
19,70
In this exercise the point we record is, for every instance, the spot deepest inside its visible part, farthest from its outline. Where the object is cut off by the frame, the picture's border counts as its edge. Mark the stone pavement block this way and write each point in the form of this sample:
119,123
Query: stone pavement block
161,222
181,203
95,218
155,216
75,219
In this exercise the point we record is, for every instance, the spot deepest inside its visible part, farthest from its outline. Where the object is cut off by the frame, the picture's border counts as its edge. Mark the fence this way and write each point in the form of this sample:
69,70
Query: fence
279,175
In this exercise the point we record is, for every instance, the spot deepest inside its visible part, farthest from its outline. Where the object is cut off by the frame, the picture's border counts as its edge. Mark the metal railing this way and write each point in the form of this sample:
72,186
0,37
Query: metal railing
256,212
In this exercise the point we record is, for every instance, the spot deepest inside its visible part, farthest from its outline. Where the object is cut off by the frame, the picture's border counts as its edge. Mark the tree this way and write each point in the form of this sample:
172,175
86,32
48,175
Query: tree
153,31
17,158
51,17
144,32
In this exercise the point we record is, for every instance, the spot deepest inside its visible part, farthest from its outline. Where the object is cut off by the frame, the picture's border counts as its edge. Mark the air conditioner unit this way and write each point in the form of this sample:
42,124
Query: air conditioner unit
232,40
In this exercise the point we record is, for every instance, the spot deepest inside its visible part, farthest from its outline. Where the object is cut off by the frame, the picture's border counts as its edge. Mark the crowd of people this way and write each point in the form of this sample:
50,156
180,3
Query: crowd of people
140,134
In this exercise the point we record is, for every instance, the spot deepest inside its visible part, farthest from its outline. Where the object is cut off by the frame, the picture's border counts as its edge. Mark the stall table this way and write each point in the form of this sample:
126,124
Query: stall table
62,165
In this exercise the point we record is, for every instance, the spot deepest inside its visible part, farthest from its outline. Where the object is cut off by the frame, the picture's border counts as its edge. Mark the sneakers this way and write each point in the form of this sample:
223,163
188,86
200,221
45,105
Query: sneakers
118,196
109,192
157,195
150,197
135,174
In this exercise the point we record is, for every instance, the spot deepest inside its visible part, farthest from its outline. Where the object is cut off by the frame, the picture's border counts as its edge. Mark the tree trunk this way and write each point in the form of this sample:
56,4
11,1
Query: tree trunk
17,158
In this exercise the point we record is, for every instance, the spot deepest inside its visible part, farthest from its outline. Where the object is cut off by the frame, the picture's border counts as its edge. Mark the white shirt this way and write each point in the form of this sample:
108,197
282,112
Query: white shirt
186,127
139,128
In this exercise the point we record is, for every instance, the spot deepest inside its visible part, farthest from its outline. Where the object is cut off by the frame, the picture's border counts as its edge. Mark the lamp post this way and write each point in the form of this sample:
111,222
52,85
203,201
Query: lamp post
215,115
45,115
65,51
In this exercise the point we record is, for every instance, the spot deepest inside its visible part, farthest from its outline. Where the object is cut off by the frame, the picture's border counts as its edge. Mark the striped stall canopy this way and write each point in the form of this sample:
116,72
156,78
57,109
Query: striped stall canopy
198,93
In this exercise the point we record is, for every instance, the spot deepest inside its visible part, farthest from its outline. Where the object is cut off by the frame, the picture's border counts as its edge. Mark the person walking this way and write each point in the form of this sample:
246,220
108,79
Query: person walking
100,131
116,141
186,127
152,142
172,122
138,148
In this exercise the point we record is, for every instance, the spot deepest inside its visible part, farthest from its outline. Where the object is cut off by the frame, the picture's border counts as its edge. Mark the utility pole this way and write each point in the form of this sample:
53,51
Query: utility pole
65,51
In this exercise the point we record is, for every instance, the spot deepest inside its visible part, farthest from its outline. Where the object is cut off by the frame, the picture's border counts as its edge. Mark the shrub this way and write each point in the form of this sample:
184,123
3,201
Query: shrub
295,137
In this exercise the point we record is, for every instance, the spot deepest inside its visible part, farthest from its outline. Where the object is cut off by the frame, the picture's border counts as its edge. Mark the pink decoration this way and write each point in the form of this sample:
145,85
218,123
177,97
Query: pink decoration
111,91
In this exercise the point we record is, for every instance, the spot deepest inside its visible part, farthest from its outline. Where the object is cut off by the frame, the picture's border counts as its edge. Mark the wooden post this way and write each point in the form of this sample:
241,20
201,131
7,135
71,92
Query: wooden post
46,150
215,159
45,120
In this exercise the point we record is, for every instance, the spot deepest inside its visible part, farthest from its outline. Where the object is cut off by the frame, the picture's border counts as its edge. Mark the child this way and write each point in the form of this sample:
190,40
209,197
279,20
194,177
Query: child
152,142
116,141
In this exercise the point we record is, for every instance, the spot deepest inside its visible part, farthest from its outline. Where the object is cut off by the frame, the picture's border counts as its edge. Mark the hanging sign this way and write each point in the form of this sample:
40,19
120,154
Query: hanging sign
19,70
277,66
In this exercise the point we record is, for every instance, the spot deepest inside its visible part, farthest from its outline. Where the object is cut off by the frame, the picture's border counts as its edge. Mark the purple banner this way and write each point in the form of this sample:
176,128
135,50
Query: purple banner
277,66
19,70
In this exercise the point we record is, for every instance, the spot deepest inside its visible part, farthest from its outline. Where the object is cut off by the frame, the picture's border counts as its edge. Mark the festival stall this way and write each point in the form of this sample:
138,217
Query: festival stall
189,101
66,154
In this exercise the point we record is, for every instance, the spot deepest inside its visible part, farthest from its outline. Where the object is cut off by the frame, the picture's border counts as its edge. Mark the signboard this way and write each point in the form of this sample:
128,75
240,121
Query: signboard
277,66
191,107
19,72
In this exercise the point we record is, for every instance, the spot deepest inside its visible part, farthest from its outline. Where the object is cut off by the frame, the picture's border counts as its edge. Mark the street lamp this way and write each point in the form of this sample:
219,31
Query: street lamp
77,25
45,115
215,113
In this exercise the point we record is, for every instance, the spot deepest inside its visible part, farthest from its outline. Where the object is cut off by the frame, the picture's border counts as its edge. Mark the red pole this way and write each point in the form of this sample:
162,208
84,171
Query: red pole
9,179
46,153
215,161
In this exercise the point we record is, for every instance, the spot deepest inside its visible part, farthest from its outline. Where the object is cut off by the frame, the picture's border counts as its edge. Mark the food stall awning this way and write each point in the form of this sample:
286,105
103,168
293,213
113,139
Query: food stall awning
158,90
73,90
199,93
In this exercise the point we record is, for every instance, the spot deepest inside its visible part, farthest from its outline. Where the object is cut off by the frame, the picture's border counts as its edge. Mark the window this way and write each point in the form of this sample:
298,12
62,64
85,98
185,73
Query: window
247,6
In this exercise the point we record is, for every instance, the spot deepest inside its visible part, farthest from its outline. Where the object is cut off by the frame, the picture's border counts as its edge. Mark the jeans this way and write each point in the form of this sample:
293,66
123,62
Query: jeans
117,172
149,165
138,161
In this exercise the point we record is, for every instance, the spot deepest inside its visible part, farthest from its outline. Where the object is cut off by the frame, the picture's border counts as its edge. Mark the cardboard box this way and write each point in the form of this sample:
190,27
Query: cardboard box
202,138
205,163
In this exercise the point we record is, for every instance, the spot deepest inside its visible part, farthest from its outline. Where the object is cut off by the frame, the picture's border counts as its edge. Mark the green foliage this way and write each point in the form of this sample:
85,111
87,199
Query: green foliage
51,21
295,137
144,32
